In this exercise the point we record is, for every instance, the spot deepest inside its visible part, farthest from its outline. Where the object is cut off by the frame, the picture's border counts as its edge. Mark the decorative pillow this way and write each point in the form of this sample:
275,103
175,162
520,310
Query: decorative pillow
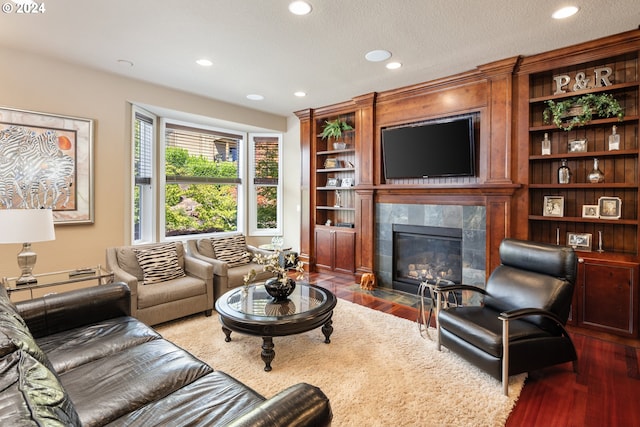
14,335
159,263
32,395
232,250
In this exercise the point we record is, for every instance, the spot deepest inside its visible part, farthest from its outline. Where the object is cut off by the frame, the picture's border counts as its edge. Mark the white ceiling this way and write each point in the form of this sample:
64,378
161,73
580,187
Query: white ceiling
258,46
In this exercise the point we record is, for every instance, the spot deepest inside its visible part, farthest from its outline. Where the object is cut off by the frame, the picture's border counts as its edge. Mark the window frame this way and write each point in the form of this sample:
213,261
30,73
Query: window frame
241,207
253,205
154,203
148,198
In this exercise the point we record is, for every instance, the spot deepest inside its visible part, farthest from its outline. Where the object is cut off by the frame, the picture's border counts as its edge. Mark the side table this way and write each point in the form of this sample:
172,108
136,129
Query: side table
58,281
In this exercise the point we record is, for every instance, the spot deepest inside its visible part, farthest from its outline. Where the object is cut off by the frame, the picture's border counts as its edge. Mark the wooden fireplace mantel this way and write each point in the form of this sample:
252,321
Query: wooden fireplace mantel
459,191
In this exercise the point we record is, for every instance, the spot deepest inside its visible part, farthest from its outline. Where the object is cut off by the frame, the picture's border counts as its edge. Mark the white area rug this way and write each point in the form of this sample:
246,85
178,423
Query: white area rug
377,370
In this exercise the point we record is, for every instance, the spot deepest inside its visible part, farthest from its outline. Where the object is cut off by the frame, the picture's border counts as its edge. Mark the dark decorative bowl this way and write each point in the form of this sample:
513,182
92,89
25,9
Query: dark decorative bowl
278,290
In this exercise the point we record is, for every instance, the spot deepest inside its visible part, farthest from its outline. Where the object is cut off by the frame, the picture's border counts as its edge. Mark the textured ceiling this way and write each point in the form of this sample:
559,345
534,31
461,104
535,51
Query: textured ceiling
257,46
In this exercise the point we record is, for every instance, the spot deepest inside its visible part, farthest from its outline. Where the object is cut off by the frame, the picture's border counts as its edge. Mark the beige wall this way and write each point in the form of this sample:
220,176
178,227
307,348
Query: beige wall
43,85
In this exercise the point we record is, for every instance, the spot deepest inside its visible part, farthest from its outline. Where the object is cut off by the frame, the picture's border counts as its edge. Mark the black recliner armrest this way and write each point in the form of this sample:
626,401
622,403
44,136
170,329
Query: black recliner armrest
67,310
526,312
297,406
448,287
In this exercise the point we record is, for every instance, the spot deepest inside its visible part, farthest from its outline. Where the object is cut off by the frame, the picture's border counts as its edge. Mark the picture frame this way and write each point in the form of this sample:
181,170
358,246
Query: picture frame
610,207
579,241
333,182
590,211
347,182
55,162
578,146
330,163
553,206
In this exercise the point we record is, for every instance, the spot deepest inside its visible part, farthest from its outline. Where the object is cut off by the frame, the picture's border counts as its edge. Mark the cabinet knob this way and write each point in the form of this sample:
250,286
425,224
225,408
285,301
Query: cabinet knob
581,260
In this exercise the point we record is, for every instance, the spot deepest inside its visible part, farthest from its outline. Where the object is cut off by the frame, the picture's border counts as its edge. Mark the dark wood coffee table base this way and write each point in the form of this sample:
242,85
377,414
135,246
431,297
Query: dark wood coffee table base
311,311
268,353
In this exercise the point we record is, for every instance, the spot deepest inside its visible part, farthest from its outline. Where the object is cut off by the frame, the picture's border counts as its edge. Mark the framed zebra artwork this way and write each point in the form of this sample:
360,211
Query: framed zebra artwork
46,161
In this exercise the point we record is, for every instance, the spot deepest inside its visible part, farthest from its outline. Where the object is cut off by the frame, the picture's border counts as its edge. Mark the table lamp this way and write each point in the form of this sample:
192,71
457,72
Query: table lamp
26,226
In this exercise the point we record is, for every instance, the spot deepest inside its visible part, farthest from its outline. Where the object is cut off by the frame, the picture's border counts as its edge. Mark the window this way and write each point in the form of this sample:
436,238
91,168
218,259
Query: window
265,187
143,142
202,180
191,180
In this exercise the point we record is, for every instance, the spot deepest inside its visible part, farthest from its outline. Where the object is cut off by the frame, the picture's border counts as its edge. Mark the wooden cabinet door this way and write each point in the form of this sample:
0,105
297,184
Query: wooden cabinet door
324,243
345,248
607,296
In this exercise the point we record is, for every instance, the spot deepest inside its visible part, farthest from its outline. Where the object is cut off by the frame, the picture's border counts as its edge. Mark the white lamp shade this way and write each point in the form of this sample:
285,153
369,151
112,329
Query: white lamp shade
26,225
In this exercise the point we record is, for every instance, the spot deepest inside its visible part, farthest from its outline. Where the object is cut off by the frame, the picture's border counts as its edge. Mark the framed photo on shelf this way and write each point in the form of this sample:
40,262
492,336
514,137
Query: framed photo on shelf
553,206
578,146
610,207
590,211
333,182
579,241
347,182
331,163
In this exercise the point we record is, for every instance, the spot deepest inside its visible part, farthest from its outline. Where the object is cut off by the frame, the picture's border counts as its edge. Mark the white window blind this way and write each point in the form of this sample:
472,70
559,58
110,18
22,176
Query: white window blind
143,149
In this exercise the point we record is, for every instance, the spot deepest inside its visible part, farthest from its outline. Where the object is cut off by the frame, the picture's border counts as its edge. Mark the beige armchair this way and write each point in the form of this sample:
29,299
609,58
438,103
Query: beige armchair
231,259
165,283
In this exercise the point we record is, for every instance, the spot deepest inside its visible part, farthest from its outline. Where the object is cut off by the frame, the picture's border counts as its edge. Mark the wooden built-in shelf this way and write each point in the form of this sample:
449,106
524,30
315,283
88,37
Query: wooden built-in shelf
580,219
334,208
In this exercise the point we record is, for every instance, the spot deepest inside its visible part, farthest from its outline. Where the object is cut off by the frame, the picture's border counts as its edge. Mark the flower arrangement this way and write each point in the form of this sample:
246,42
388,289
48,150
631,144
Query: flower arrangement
271,263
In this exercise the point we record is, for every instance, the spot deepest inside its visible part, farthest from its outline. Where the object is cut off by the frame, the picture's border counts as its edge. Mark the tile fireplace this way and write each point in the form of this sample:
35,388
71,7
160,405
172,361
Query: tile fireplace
468,222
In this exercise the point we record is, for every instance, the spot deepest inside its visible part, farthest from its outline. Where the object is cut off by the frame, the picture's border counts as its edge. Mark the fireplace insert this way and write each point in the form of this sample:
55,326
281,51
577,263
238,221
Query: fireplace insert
425,252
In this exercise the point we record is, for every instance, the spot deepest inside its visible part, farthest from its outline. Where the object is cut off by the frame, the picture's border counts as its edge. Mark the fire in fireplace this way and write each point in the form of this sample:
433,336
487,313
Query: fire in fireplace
424,252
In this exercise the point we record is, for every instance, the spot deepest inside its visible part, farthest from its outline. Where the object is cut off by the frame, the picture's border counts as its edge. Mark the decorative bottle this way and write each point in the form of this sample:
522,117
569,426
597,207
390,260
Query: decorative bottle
596,174
614,139
546,145
564,173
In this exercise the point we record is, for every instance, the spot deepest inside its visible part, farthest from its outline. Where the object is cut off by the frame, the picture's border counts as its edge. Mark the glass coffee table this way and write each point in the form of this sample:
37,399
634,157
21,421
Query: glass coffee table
252,311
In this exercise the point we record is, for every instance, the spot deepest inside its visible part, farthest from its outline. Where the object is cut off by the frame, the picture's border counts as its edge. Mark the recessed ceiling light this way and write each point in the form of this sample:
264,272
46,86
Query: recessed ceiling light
300,8
204,62
565,12
300,94
255,97
377,55
394,65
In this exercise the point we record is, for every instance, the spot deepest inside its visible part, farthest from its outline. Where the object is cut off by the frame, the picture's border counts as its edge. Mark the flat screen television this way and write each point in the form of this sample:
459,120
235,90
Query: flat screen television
430,149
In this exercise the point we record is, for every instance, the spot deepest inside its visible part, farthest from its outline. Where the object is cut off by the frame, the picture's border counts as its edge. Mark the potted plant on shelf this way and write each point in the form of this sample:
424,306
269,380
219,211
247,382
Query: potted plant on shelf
581,109
333,129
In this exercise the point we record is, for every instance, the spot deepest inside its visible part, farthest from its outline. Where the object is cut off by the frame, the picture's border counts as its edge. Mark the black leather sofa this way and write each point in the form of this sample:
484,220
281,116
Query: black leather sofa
78,358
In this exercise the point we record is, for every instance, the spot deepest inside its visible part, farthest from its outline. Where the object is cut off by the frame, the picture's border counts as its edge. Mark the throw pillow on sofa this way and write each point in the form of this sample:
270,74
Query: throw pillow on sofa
232,250
32,395
14,336
159,263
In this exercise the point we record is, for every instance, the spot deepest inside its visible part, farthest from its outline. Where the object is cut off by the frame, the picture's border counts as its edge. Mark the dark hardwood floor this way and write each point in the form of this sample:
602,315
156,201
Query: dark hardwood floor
604,392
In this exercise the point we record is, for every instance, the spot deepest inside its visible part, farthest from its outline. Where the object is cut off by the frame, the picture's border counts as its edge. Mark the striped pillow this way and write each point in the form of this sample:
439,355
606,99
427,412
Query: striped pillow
232,250
159,263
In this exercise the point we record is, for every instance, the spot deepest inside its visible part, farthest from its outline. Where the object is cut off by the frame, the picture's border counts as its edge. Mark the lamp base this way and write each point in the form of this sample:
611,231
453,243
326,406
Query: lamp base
26,280
26,262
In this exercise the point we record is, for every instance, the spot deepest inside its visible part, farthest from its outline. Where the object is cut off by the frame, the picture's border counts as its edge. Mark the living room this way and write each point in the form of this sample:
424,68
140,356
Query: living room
40,83
35,81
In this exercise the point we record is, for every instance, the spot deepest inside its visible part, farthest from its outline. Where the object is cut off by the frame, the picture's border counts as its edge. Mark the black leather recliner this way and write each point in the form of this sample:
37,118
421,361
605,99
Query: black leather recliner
520,325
